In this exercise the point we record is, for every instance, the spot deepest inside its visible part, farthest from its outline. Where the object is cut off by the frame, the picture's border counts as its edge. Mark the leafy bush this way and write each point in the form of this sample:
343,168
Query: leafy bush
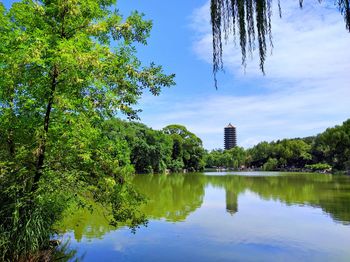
271,164
26,216
319,166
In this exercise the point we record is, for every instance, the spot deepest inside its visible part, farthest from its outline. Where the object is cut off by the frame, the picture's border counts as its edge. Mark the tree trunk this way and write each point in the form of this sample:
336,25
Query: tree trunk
43,140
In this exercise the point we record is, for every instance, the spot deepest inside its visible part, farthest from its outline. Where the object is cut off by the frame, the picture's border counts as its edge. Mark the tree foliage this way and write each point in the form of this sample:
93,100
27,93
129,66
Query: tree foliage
232,158
67,66
150,150
187,150
173,148
250,21
333,146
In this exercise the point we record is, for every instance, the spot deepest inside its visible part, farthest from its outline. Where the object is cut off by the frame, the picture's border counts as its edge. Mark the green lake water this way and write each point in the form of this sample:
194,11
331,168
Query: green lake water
244,216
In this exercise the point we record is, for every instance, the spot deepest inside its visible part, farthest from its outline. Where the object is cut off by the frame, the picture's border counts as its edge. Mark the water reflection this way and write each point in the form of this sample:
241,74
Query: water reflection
172,197
231,201
175,197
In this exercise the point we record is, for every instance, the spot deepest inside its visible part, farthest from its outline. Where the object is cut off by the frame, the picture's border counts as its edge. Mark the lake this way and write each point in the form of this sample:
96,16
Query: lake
237,216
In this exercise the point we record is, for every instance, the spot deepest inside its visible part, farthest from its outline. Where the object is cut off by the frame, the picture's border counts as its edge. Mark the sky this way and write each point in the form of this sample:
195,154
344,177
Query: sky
306,88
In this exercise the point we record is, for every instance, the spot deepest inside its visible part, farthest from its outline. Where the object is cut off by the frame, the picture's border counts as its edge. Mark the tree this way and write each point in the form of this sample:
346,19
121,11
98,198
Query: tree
233,158
260,153
238,156
187,148
333,146
66,67
251,21
270,165
150,149
292,152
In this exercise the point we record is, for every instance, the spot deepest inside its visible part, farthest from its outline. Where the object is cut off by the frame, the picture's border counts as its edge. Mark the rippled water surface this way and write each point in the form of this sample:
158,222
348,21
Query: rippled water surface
248,216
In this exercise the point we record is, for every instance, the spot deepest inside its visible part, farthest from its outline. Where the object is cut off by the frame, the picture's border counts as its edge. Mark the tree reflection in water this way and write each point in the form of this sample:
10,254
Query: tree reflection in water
174,197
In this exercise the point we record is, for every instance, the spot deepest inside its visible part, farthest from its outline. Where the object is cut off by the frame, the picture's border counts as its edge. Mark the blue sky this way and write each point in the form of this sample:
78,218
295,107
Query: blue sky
305,90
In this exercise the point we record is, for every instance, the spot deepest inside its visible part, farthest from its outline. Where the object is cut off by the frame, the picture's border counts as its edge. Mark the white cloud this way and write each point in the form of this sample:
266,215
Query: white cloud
308,43
262,117
306,89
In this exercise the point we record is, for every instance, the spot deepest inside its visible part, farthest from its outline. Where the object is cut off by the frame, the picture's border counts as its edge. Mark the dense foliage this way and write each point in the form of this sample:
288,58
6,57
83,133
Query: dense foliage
251,22
187,149
66,68
330,149
172,149
333,147
232,158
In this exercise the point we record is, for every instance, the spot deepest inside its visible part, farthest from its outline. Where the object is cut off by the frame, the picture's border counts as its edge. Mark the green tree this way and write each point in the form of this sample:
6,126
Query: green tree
333,146
292,152
233,158
238,156
66,67
150,149
187,147
260,154
214,158
270,165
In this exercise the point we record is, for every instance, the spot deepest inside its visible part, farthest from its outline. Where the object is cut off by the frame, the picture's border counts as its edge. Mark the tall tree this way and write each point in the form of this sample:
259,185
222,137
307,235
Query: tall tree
66,67
187,148
78,60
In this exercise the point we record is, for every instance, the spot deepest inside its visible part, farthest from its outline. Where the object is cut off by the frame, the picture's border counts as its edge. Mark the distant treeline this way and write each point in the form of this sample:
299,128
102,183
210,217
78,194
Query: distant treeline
175,149
330,149
172,149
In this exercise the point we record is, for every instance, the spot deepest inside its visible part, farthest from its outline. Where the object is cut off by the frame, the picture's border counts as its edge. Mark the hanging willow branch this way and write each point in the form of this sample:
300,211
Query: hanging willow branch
251,21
